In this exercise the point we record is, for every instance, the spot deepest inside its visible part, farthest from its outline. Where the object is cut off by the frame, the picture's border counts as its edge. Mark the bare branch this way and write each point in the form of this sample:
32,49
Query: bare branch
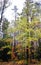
3,7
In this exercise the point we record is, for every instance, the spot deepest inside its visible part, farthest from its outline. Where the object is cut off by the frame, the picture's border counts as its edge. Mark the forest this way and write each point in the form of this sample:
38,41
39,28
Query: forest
20,39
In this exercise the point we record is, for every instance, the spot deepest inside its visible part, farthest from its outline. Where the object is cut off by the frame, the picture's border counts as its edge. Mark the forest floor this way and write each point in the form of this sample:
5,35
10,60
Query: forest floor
18,63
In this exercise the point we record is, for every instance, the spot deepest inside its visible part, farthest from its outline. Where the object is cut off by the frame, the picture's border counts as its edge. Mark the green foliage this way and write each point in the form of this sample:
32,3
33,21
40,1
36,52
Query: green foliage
5,50
5,25
26,62
27,31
